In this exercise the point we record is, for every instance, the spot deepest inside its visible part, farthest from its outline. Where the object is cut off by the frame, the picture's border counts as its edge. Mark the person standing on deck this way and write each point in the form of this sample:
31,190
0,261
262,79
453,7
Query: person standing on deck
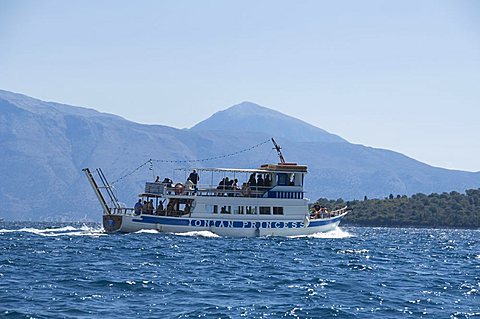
260,180
138,207
194,178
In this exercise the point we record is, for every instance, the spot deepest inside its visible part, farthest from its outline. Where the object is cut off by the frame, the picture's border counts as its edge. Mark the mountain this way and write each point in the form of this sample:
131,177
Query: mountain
44,146
250,117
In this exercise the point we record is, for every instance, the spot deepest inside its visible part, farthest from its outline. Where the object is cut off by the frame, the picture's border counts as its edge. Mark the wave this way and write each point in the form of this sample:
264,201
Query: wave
147,231
353,251
201,233
60,231
336,233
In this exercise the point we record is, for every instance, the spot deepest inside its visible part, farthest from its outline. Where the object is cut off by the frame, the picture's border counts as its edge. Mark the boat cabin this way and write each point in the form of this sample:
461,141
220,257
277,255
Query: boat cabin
270,181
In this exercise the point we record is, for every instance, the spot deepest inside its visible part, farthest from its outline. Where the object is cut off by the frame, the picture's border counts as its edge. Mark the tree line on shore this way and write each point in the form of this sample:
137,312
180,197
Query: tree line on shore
449,210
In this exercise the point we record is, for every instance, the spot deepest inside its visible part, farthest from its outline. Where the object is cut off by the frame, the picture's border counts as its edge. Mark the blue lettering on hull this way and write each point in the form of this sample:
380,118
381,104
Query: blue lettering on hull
206,223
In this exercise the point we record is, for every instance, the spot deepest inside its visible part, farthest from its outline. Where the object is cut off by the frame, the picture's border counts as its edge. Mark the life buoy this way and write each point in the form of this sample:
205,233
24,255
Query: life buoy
179,188
246,191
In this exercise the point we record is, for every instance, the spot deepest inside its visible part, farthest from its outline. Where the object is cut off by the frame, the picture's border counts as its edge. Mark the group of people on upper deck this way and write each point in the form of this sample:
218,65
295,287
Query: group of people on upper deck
260,181
255,180
227,183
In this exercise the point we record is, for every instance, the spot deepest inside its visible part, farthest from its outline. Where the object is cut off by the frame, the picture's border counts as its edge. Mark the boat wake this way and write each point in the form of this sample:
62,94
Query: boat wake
202,233
61,231
147,231
336,233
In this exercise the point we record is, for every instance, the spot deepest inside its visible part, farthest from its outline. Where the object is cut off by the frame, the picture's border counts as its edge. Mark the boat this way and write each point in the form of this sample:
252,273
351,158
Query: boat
270,202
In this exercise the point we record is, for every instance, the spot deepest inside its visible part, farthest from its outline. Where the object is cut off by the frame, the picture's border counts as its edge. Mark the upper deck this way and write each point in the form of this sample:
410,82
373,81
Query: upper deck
282,180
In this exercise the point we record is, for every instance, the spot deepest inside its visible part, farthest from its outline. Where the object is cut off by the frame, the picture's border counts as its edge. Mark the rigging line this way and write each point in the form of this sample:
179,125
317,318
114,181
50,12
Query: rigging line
212,158
188,161
126,175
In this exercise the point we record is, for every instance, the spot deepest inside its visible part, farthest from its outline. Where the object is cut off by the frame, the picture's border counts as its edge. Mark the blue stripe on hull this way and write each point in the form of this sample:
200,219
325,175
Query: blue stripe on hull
162,220
316,223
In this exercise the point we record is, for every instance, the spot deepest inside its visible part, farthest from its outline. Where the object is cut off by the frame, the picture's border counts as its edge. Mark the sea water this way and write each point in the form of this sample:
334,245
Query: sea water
78,271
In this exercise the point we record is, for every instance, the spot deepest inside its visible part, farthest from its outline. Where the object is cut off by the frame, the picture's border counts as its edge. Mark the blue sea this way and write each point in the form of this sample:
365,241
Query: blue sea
77,271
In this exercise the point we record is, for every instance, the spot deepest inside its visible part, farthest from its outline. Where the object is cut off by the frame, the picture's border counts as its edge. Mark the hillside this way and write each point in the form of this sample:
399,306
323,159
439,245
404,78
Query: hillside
44,146
445,210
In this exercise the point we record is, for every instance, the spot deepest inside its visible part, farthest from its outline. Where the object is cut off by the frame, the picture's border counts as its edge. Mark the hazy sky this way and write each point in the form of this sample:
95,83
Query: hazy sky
402,75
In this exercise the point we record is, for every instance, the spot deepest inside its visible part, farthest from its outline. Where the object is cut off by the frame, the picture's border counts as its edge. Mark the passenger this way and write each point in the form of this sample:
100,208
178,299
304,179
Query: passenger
189,184
157,180
138,207
171,207
194,178
229,186
226,183
221,184
235,184
168,182
252,181
268,181
323,212
150,207
315,212
230,183
159,210
246,190
260,181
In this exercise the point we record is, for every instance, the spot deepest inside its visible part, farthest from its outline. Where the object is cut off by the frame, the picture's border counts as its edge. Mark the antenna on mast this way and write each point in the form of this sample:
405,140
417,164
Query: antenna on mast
279,151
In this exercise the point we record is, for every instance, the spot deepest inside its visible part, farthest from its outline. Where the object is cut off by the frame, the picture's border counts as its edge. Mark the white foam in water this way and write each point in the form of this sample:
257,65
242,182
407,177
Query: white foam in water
61,231
336,233
201,233
147,231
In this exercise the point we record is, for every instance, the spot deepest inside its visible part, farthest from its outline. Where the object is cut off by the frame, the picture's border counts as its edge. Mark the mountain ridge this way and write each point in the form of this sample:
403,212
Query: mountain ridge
248,116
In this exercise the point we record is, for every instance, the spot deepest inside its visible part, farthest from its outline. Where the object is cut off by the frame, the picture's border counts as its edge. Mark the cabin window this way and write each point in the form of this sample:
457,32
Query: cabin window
264,210
277,210
282,179
238,210
225,209
212,209
252,210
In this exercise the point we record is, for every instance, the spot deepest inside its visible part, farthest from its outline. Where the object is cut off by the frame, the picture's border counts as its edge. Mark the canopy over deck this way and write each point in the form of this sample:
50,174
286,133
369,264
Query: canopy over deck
264,169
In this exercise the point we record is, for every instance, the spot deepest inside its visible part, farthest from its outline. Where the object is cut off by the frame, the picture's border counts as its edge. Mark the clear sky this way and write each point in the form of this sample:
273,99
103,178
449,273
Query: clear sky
402,75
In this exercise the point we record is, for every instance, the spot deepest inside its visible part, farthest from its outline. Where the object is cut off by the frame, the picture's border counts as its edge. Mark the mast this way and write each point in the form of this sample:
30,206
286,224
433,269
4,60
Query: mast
279,151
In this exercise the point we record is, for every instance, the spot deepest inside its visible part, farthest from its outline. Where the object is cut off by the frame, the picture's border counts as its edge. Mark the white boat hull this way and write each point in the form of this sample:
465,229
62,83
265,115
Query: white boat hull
232,227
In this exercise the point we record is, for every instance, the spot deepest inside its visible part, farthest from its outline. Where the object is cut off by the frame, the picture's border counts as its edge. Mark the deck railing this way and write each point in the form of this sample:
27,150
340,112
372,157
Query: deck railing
122,211
251,191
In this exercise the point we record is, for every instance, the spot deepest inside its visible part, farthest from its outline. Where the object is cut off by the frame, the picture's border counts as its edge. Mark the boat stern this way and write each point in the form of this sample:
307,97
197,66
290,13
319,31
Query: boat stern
112,223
